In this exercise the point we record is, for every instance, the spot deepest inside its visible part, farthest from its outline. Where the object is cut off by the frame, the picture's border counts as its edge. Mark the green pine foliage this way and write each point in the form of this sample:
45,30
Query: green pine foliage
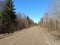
8,17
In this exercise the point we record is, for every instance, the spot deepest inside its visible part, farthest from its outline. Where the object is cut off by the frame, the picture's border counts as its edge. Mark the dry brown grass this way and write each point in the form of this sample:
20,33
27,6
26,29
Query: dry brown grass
55,33
5,35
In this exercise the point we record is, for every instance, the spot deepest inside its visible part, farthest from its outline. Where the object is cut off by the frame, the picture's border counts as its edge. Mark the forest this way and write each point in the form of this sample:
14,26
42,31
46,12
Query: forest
10,20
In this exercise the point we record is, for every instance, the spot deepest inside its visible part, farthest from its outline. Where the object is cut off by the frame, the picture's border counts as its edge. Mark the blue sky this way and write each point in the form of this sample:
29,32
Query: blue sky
35,9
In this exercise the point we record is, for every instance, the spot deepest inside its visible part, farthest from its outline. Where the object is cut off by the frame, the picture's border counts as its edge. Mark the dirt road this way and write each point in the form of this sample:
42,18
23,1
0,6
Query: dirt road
30,36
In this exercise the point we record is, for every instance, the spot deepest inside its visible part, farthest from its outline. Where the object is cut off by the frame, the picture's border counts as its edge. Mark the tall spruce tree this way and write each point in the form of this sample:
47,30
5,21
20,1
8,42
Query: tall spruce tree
9,10
8,17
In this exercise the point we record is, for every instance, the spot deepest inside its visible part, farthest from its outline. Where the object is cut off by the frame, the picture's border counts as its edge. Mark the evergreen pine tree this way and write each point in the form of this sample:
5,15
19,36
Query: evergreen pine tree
8,17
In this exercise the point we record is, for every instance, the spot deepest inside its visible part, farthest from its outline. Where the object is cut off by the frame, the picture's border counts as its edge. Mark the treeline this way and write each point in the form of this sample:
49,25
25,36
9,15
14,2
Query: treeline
51,19
24,21
52,22
9,20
